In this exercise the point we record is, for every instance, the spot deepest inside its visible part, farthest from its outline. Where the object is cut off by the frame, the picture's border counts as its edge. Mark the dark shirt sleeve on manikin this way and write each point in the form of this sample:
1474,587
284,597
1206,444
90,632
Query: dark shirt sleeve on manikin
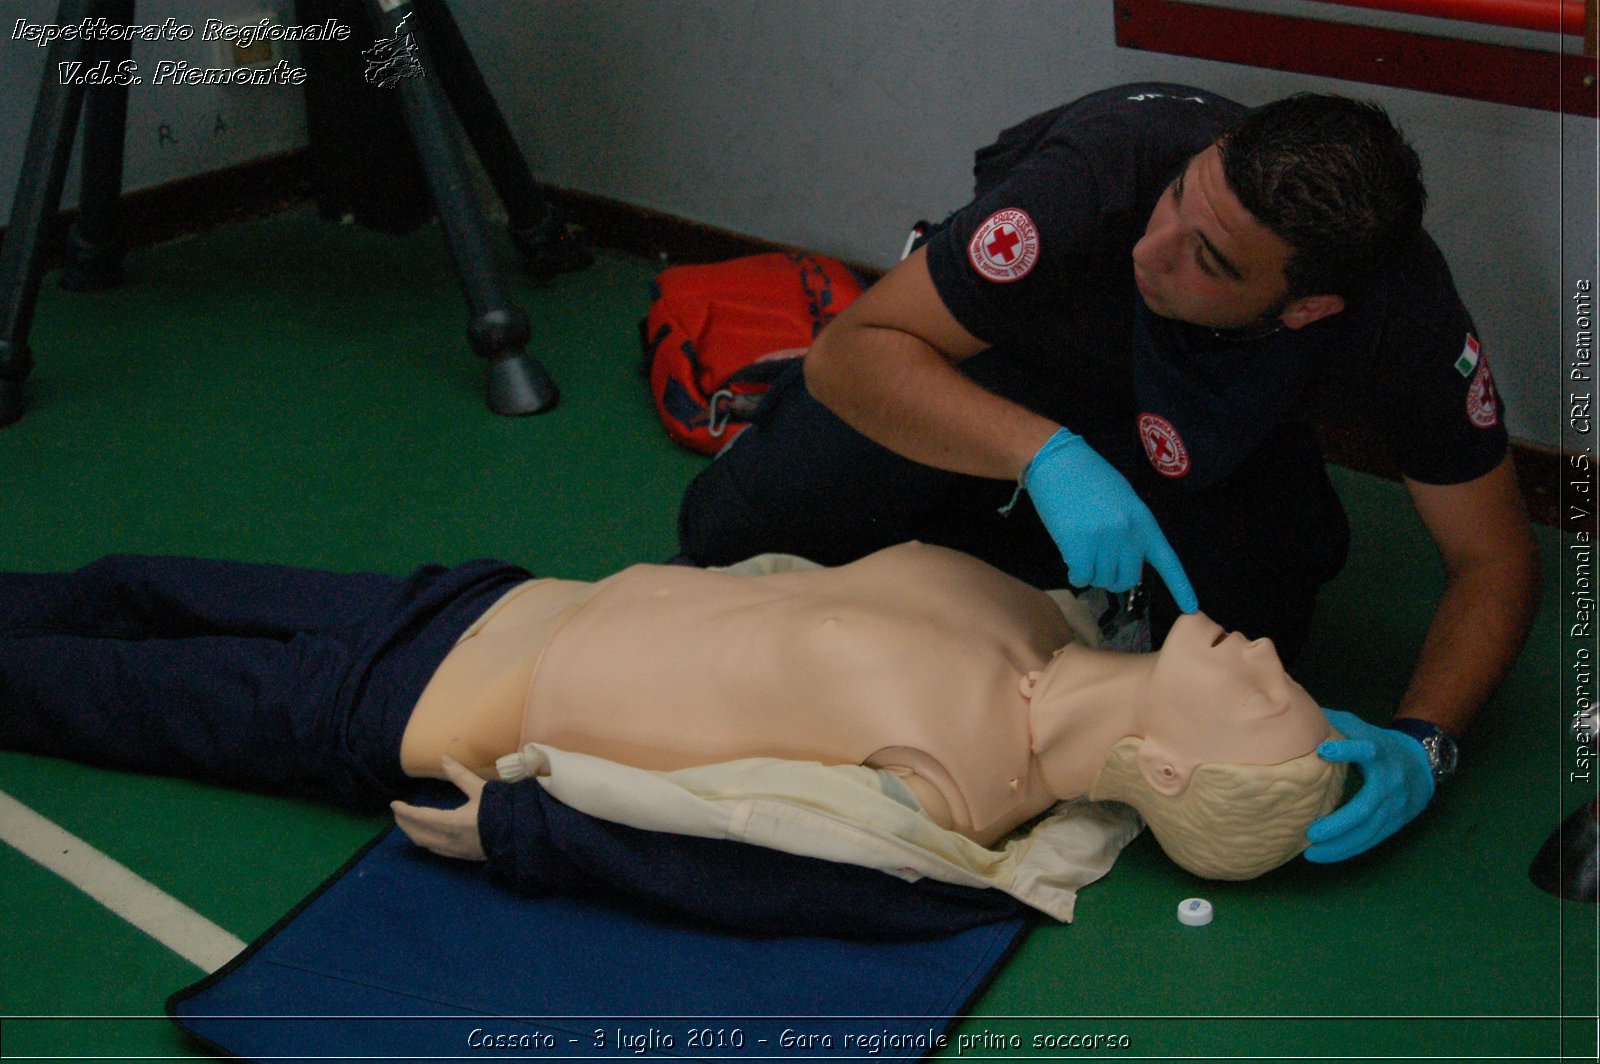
536,844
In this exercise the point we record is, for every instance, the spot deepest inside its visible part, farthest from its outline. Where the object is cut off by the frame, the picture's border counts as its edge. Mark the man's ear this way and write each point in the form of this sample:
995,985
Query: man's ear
1304,311
1163,773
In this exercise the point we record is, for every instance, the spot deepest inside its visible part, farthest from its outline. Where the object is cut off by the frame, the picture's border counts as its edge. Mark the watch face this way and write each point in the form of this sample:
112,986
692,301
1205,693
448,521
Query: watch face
1443,753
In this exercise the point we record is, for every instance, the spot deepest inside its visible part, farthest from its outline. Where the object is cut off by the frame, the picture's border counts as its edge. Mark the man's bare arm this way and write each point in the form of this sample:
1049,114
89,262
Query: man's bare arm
887,366
1491,588
1491,585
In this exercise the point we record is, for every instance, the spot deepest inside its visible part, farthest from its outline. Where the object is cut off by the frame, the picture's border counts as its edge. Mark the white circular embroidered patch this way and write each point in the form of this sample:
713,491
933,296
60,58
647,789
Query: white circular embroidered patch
1006,246
1481,405
1163,446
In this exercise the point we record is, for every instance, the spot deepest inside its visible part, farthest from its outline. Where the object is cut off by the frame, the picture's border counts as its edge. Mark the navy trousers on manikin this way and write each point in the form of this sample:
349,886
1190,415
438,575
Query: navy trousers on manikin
261,676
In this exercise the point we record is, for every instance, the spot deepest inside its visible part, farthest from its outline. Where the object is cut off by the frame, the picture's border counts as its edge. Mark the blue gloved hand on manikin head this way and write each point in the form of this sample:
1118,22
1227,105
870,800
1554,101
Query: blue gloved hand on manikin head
1105,531
1396,785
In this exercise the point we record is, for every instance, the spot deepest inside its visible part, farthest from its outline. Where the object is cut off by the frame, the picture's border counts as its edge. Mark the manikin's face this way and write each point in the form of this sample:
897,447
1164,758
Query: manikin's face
1204,259
1216,696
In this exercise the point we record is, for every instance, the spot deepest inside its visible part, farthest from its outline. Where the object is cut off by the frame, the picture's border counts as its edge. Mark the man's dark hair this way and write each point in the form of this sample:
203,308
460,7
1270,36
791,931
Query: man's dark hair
1335,180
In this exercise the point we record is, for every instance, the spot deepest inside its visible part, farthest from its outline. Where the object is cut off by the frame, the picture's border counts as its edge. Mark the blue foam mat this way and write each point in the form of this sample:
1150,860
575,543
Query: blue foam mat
406,956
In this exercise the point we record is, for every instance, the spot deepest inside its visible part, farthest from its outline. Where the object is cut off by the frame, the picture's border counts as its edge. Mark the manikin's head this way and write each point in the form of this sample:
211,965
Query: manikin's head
1224,767
1285,219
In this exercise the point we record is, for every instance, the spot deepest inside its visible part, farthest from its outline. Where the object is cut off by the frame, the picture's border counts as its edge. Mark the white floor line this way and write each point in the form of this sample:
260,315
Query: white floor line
141,903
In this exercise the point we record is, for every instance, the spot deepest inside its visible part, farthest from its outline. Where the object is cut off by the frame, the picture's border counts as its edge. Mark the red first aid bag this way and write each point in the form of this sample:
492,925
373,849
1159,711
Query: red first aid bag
717,335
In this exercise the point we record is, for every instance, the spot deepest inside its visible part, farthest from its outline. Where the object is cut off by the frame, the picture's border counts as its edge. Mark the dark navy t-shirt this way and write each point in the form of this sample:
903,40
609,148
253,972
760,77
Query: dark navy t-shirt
1039,265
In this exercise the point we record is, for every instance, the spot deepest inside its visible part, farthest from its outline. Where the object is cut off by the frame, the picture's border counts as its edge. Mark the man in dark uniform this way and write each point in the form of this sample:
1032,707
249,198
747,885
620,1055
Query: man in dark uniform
1136,320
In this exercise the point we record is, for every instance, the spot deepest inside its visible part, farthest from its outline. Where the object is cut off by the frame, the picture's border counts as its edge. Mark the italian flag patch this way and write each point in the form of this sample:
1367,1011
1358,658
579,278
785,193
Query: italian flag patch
1468,362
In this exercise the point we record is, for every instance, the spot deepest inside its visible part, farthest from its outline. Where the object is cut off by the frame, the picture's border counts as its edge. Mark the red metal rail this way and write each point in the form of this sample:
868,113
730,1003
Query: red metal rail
1521,77
1550,16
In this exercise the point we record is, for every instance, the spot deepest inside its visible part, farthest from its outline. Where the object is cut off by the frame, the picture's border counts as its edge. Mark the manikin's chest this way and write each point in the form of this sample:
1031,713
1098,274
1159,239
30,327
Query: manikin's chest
915,648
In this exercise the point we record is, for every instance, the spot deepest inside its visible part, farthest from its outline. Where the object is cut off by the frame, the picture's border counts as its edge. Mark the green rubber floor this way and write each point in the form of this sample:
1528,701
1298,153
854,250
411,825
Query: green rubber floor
293,391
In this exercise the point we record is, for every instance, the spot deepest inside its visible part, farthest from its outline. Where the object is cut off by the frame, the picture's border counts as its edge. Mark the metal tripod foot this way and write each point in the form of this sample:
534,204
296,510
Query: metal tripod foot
15,362
10,403
548,249
91,266
519,385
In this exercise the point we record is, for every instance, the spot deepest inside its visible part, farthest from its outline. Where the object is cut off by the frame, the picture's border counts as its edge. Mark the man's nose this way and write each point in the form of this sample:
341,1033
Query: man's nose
1154,253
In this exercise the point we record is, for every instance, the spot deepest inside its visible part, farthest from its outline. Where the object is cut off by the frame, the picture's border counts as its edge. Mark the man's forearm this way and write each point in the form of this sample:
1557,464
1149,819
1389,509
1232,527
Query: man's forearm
887,366
899,392
1477,630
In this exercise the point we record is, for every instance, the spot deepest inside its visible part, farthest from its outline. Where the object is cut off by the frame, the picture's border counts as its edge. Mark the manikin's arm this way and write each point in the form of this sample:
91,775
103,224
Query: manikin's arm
1491,586
534,844
887,366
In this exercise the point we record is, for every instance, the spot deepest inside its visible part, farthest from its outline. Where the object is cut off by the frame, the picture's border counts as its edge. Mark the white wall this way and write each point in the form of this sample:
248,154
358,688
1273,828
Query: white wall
174,131
833,124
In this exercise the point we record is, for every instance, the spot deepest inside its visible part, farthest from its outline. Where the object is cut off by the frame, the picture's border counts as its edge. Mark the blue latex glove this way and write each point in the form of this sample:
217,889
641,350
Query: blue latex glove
1396,785
1104,530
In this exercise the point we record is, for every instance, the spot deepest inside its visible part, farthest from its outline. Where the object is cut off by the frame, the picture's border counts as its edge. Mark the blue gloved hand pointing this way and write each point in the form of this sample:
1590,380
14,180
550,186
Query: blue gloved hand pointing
1396,785
1105,532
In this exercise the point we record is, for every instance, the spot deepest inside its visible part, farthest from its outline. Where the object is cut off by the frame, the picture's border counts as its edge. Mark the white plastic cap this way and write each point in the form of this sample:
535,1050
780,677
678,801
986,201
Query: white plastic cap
1195,912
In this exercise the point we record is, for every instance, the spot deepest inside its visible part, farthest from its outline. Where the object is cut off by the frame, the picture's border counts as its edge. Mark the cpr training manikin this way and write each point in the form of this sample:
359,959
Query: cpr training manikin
957,701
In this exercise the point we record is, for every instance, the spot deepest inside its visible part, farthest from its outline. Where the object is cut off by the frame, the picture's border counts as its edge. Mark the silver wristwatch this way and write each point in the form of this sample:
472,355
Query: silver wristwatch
1443,754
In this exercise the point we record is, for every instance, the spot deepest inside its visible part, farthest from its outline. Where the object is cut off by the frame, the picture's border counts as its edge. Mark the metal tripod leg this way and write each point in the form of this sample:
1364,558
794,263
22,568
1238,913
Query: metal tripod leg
538,229
498,329
38,197
94,241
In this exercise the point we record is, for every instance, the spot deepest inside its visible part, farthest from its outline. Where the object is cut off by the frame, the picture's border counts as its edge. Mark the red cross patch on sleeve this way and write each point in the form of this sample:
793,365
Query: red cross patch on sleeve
1483,406
1006,246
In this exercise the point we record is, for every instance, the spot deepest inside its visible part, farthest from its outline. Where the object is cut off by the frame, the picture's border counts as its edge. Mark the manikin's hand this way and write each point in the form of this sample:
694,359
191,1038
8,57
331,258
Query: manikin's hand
1396,785
447,832
1104,530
